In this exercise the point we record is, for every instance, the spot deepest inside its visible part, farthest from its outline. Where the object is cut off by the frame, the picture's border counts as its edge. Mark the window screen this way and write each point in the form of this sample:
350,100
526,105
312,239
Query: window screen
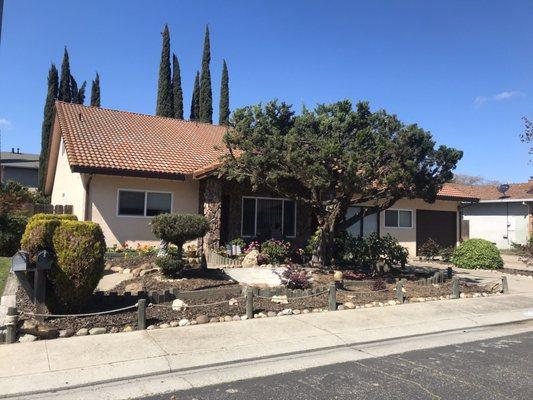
130,203
157,203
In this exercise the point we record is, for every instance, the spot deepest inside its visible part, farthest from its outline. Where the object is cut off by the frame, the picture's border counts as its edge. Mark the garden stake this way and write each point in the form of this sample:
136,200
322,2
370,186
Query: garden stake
455,288
141,314
450,272
332,296
399,292
249,303
12,319
505,286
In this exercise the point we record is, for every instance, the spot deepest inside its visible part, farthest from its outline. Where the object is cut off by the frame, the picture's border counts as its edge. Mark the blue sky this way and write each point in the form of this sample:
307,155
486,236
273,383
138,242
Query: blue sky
460,69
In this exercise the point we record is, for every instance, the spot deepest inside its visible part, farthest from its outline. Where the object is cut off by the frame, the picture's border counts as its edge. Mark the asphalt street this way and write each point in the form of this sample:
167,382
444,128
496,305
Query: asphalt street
500,368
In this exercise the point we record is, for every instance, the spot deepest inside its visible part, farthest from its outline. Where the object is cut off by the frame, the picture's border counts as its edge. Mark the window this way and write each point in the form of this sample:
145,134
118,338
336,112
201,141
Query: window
363,227
268,218
398,219
137,203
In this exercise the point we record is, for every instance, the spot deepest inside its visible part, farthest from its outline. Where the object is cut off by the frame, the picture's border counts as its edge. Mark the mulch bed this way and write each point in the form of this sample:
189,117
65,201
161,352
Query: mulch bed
130,261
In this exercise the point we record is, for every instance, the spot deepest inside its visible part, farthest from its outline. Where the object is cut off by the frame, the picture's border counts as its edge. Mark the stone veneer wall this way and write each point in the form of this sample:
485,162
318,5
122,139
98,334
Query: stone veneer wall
210,207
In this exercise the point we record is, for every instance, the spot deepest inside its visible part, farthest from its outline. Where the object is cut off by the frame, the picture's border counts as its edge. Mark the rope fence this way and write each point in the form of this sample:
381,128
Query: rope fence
79,315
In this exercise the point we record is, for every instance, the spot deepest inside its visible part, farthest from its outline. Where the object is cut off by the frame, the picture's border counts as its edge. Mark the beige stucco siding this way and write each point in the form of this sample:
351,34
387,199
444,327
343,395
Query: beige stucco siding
68,186
127,229
407,236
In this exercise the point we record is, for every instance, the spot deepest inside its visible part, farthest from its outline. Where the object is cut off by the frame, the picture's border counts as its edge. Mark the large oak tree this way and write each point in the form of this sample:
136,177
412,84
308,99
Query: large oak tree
334,156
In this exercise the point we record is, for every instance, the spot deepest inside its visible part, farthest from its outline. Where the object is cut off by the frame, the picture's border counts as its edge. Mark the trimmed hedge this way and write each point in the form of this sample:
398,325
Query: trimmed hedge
79,249
11,230
62,217
477,253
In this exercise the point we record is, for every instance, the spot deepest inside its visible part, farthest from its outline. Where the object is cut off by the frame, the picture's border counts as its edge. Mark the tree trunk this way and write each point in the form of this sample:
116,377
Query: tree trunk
324,250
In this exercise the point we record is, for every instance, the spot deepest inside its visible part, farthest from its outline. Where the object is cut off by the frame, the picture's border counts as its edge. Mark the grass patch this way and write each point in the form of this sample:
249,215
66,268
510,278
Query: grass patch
5,264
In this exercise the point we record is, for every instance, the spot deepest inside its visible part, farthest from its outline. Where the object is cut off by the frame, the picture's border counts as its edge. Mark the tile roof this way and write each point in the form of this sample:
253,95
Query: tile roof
451,192
111,141
19,160
490,192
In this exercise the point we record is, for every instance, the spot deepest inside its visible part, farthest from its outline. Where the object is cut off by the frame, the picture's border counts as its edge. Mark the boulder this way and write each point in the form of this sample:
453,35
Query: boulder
250,260
227,318
173,324
349,305
271,314
163,326
178,305
42,331
214,319
97,331
184,322
82,332
337,276
127,328
26,337
202,319
66,333
236,318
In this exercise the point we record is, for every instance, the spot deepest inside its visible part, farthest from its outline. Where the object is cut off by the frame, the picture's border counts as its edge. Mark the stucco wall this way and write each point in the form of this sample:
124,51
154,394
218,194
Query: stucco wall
128,229
500,223
25,176
407,236
68,186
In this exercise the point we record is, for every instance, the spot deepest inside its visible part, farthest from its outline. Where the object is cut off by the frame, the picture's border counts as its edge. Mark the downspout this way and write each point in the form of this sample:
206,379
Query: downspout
87,187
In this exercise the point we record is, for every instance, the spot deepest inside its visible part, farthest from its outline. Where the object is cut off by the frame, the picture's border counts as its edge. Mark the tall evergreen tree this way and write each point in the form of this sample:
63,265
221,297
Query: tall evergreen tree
80,96
223,110
46,128
195,102
164,89
177,92
206,95
95,91
73,89
65,88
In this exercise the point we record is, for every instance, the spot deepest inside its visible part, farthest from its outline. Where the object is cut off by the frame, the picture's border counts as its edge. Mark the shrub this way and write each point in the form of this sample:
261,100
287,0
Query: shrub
238,242
11,229
254,245
295,278
429,250
79,249
477,253
277,251
38,236
61,217
179,228
170,265
446,254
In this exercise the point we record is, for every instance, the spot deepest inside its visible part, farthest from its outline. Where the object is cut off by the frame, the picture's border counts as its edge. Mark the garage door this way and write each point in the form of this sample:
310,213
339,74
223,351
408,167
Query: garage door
441,226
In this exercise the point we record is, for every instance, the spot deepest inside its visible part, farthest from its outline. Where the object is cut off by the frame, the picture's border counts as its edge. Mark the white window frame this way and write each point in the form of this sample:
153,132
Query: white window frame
145,202
398,211
283,200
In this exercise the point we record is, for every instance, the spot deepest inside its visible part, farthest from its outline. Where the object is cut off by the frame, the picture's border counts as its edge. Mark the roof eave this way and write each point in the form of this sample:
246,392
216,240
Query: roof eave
507,200
129,173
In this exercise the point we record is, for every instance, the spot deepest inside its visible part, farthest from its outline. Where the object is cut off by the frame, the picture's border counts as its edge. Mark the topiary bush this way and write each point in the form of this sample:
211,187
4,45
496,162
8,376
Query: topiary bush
477,253
170,265
79,249
38,236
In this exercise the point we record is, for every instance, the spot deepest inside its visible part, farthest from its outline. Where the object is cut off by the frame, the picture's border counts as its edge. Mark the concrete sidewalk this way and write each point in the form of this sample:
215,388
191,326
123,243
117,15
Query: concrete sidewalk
77,361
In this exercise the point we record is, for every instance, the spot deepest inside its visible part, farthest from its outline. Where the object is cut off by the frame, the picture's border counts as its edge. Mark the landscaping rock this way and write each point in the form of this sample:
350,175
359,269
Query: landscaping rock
127,328
296,312
82,332
150,327
340,307
178,305
126,271
174,323
193,322
316,310
244,318
250,260
349,305
337,276
271,314
236,318
391,302
306,311
184,322
369,305
136,272
117,269
148,271
146,266
212,320
221,319
233,302
287,311
462,296
280,299
38,329
133,287
227,318
163,326
66,333
97,331
25,338
108,266
202,319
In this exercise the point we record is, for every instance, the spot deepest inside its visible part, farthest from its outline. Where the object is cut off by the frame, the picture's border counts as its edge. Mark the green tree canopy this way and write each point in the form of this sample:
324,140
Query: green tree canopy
334,156
65,83
165,107
206,95
223,110
195,101
95,91
177,92
46,128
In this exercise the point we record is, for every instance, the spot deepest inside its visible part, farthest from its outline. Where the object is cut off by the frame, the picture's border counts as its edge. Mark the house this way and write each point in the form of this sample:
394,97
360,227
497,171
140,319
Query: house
19,167
502,217
119,169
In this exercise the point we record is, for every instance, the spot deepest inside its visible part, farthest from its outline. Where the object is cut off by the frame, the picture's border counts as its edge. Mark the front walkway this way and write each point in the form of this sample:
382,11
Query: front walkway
79,361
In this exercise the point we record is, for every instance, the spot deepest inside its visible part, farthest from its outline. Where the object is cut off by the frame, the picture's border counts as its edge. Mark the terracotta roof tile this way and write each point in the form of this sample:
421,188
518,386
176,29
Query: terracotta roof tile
490,192
102,139
448,191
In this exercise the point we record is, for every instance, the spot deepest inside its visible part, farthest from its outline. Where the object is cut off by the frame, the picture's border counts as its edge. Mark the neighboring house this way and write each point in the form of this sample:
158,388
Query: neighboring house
502,218
20,167
119,169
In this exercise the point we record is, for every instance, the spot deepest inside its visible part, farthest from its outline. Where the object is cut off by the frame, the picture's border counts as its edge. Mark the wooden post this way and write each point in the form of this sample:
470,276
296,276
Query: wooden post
455,288
505,285
450,272
39,287
11,321
141,314
399,292
249,303
332,296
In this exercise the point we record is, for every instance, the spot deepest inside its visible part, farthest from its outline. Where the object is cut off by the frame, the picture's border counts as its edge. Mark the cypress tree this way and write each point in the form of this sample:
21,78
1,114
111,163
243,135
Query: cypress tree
46,128
206,95
73,89
177,92
223,110
65,89
80,96
95,91
195,102
164,89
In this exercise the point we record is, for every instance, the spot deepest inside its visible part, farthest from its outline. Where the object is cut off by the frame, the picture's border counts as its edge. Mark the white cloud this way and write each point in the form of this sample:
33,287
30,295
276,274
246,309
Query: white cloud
5,122
506,95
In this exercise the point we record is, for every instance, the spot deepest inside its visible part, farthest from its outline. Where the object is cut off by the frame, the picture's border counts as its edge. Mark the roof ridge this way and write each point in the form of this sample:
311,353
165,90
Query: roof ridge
141,114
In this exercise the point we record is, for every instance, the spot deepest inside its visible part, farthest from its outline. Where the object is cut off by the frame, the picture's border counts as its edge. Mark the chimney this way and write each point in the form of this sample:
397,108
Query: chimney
13,150
18,150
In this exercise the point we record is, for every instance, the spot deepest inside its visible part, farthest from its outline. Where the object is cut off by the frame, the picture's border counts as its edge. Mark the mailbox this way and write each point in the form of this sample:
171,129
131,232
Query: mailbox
20,261
44,260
